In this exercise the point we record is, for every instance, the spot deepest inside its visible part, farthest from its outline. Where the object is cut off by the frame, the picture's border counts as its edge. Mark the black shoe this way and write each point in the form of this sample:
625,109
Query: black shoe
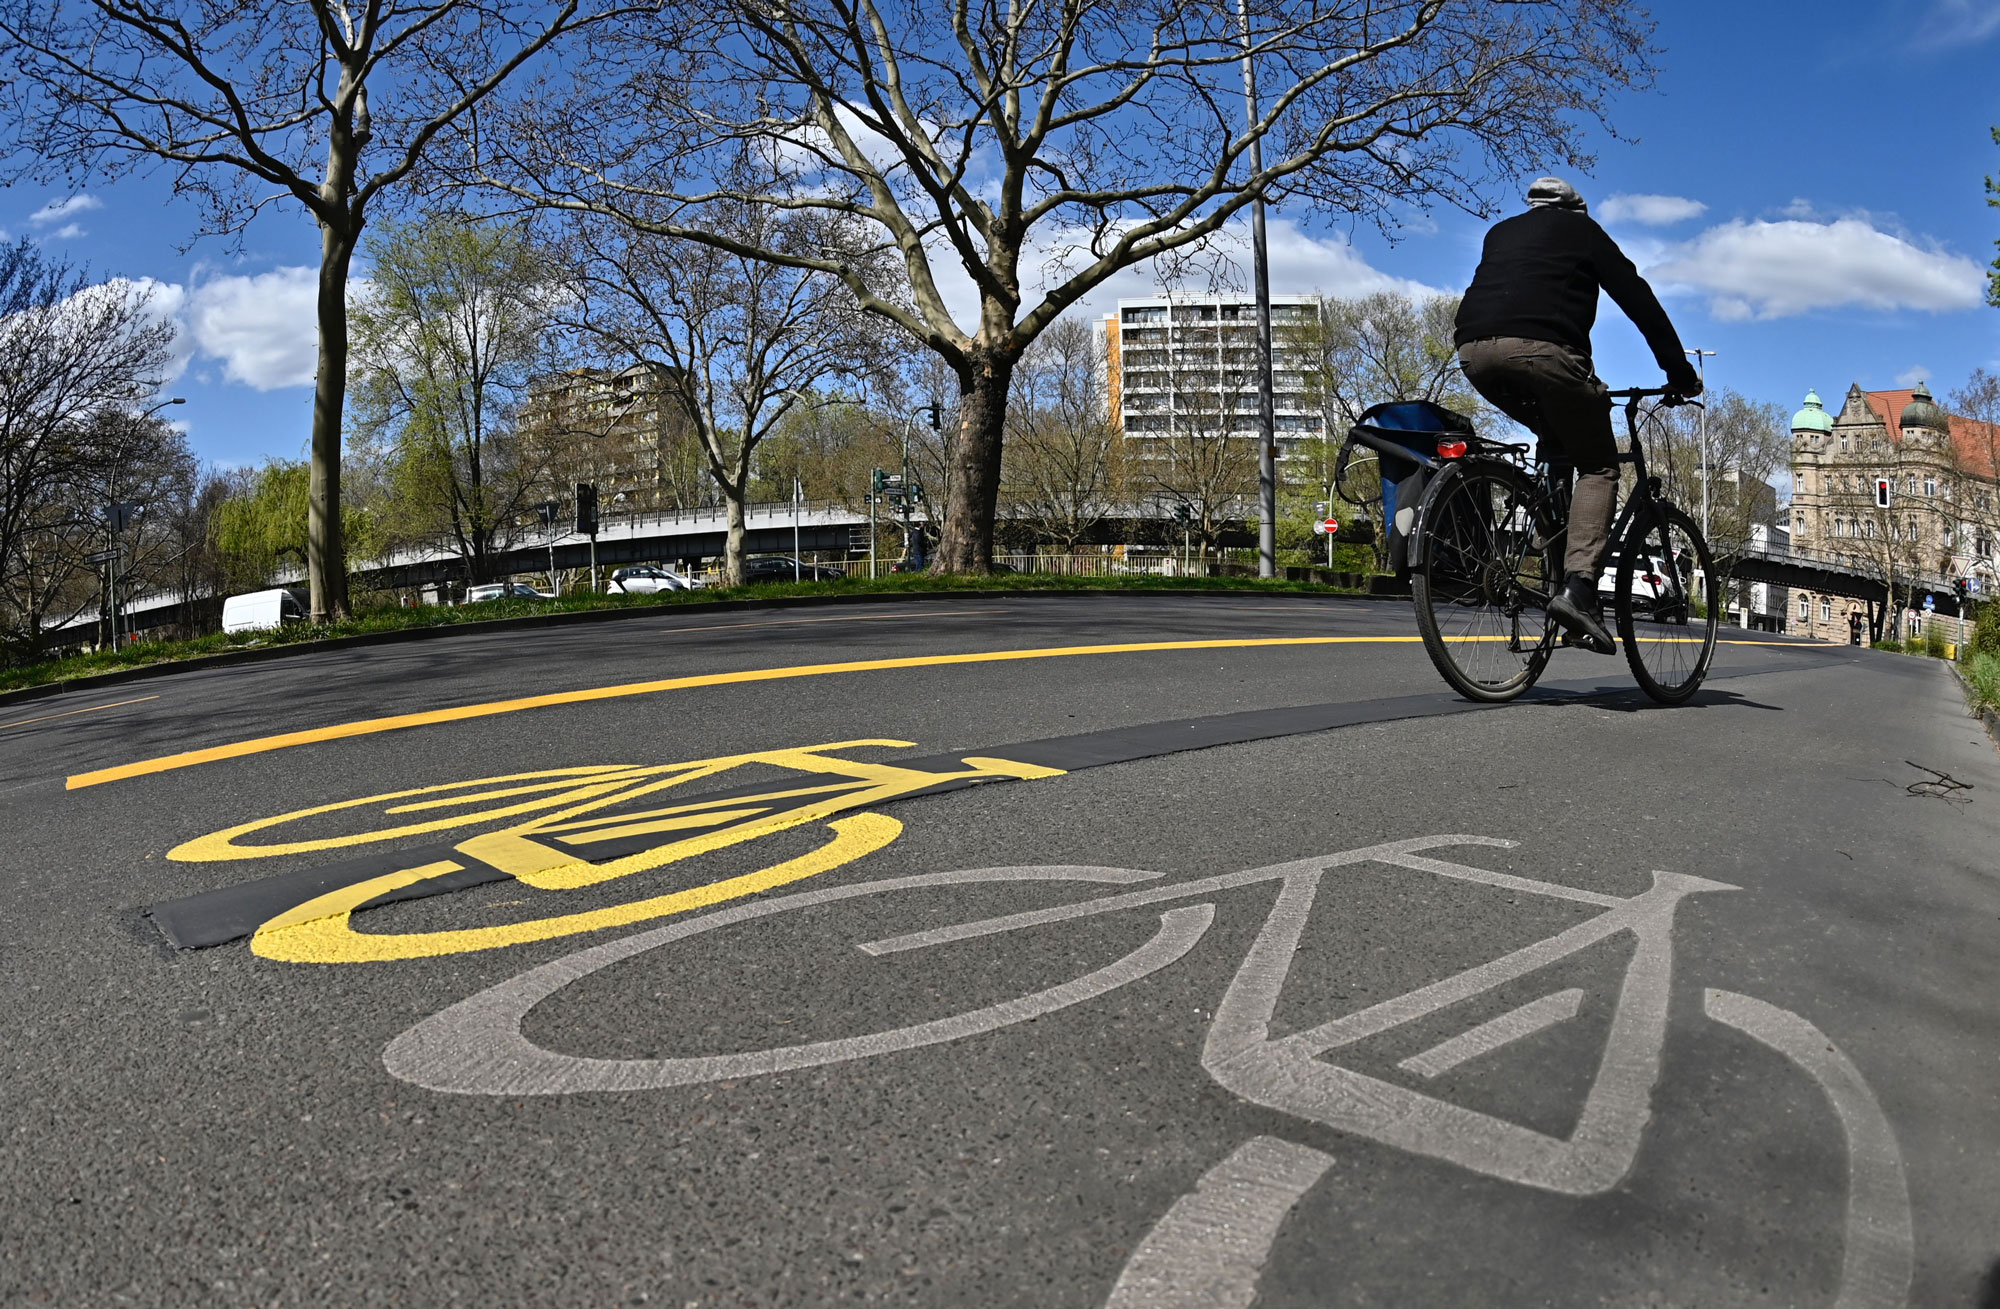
1580,614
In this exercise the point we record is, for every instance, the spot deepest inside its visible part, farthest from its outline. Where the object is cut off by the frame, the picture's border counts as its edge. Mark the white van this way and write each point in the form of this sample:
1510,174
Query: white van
261,609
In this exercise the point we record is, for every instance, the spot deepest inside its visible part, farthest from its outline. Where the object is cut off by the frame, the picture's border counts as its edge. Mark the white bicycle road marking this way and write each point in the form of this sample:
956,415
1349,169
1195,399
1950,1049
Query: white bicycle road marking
1209,1249
1217,1237
1881,1241
1496,1033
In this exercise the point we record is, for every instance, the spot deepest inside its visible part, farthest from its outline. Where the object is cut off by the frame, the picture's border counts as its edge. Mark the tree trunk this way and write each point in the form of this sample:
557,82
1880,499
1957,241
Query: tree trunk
326,552
972,474
732,550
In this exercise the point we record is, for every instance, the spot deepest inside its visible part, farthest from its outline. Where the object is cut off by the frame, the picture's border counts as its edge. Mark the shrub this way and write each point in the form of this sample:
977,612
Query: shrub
1934,642
1986,631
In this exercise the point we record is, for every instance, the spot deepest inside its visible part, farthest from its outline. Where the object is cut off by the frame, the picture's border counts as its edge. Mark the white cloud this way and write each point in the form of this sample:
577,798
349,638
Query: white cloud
56,211
67,232
1754,270
1301,263
262,327
1651,210
1912,375
1958,22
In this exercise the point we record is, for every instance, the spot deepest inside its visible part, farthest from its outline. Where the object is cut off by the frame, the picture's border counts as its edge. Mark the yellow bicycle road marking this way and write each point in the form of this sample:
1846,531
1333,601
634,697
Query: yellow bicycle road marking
461,713
318,931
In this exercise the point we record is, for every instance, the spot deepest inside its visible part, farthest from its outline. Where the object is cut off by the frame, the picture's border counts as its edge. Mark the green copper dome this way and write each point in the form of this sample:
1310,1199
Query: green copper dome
1812,418
1923,412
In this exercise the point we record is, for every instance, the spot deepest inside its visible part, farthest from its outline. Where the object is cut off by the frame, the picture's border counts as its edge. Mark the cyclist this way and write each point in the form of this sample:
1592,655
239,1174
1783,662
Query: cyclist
1523,338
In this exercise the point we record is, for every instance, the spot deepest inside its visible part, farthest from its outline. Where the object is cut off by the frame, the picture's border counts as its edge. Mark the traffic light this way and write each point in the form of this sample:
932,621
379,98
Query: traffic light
1961,586
1883,486
875,481
586,509
548,511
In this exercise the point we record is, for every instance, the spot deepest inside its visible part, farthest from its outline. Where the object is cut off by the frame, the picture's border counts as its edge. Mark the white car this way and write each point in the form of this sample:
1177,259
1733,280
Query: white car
650,579
505,591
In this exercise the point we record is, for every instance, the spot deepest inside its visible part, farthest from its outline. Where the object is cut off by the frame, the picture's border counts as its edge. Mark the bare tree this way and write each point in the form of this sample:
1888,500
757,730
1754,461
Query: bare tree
447,338
73,357
1205,464
1062,466
1975,478
1366,350
249,103
1016,156
740,342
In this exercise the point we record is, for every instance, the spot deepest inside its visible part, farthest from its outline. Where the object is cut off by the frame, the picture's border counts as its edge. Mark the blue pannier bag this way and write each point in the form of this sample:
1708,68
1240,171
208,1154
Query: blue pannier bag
1416,425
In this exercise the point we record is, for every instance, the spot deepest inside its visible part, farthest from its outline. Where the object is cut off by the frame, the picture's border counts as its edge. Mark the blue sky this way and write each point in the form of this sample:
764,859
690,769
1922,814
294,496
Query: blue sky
1804,185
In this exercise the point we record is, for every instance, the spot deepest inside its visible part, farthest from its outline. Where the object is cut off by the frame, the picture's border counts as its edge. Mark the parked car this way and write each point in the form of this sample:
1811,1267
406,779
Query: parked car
260,610
781,568
650,579
505,591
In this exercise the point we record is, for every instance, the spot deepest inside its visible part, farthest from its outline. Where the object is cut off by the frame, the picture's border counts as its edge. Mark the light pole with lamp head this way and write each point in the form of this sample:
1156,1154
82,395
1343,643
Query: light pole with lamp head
1260,263
1700,357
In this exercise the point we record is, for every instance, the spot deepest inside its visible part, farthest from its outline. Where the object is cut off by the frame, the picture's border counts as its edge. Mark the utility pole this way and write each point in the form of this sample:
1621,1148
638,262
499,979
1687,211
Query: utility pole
1267,430
1700,358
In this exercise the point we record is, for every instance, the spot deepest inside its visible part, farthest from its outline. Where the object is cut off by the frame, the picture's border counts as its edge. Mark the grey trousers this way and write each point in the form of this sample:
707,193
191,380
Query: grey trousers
1552,391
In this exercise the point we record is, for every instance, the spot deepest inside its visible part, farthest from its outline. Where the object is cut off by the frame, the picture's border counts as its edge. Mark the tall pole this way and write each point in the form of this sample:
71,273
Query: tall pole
1701,358
1267,416
795,529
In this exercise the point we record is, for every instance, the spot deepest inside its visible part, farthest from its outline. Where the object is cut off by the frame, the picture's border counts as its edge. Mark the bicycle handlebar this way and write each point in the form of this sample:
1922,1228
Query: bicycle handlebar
1666,395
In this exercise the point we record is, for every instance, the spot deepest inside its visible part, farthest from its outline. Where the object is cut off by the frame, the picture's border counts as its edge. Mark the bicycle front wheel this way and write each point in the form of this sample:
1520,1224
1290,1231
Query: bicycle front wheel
1482,581
1669,603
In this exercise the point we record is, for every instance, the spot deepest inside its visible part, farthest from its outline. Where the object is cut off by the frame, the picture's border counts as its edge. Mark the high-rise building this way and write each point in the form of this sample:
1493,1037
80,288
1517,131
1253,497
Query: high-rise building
1187,364
625,431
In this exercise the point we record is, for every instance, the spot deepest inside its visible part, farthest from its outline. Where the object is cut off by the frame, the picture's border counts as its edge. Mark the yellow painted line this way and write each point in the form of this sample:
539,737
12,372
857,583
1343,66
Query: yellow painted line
461,713
115,704
492,708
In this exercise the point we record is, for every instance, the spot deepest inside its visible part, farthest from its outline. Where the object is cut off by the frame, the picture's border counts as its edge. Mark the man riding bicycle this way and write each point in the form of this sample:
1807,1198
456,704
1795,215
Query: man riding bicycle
1523,338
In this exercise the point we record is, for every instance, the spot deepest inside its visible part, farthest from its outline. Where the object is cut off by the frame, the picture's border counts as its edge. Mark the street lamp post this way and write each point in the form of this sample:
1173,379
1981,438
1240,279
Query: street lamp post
1701,367
1267,421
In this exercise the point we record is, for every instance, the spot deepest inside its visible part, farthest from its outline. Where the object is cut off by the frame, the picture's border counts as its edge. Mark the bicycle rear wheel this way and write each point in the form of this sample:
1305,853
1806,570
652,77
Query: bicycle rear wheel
1668,602
1482,581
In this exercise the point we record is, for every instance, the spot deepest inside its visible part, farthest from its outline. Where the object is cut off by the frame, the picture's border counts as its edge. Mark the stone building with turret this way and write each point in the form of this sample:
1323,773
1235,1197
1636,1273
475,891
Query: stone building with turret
1935,524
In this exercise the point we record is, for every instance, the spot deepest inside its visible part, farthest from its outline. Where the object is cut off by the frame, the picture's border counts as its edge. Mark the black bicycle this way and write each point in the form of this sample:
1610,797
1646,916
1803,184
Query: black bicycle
1483,547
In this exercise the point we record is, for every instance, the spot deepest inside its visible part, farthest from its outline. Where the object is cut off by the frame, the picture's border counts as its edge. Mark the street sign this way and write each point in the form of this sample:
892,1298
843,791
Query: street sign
101,557
1326,527
1930,603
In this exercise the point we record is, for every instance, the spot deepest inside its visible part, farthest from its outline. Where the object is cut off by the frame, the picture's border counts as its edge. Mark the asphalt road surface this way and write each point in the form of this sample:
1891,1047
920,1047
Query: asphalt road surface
1078,951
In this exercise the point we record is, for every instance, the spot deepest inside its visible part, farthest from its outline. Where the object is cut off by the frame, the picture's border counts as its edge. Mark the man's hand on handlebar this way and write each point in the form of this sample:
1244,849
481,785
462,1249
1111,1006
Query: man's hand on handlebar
1683,384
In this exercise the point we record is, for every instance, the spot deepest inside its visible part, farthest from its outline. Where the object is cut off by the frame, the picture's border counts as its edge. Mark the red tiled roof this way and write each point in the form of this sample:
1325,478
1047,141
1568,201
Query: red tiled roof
1978,443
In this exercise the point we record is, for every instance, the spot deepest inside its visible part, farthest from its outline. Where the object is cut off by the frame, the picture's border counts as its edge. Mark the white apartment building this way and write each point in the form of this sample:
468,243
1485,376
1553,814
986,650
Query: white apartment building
1188,364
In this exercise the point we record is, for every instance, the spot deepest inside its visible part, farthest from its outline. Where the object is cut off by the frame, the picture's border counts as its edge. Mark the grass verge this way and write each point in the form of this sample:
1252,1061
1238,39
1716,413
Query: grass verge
1982,681
372,622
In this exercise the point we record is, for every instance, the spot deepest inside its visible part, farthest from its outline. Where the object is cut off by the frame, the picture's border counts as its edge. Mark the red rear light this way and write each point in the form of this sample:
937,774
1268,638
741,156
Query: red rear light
1451,449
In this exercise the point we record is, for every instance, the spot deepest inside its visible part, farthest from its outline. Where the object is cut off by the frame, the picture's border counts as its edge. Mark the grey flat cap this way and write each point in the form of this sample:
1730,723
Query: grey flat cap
1554,191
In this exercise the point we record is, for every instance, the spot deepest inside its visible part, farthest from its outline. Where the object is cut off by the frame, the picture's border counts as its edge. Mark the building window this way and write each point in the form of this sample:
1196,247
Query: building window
1930,486
1982,544
1805,608
1826,611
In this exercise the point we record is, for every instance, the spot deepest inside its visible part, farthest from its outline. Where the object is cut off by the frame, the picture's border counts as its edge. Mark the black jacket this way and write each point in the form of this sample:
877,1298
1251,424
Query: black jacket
1538,278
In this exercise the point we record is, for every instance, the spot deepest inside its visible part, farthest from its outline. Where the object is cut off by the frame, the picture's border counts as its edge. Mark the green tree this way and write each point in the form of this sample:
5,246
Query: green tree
261,525
446,340
1993,199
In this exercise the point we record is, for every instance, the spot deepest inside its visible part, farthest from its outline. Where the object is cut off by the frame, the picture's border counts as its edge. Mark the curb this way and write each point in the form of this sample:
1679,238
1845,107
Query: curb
254,655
